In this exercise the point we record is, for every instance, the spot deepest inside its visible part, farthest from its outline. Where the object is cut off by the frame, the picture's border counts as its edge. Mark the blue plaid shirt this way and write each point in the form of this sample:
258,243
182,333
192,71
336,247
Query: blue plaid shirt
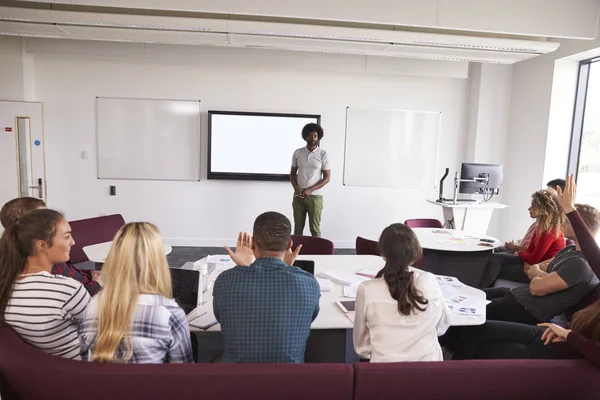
265,311
160,331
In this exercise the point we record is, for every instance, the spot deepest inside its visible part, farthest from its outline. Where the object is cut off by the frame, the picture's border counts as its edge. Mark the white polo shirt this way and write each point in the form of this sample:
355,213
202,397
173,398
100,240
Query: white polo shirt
310,166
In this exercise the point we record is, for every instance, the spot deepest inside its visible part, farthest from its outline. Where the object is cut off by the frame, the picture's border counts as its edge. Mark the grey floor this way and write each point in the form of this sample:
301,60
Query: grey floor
182,254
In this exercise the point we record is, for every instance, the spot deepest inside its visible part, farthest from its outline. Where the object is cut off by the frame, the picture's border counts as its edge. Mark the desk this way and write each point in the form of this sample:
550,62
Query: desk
472,217
456,253
330,339
97,253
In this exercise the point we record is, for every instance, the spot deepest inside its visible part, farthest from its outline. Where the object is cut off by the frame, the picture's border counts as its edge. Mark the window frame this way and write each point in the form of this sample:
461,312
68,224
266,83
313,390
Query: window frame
579,115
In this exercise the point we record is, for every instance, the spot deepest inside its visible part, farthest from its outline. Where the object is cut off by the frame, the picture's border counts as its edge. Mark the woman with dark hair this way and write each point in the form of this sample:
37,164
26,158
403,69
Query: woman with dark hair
400,314
44,309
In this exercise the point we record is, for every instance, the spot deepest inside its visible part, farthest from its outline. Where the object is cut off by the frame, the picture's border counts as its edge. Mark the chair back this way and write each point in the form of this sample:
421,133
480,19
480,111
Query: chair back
93,231
366,246
313,245
423,223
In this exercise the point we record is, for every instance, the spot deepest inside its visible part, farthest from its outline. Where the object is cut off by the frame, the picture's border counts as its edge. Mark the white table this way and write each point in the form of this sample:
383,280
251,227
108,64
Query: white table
330,315
474,217
453,240
330,338
97,253
456,253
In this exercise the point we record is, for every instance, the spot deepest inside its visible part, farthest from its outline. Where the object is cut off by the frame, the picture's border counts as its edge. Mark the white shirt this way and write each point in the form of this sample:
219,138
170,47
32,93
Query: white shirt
310,166
382,334
45,310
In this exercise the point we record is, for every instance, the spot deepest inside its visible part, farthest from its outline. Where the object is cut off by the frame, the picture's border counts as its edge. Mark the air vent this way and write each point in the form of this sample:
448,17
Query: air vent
478,47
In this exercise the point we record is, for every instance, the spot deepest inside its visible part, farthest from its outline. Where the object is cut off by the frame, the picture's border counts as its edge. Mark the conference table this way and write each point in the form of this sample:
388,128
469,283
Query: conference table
97,253
457,253
330,339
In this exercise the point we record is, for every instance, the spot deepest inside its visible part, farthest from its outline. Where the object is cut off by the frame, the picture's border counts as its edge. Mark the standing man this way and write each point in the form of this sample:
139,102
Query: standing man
310,172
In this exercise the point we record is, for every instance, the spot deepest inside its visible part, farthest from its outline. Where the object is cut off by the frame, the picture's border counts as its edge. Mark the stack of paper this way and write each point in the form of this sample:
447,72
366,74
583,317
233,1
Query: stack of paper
345,278
325,284
350,291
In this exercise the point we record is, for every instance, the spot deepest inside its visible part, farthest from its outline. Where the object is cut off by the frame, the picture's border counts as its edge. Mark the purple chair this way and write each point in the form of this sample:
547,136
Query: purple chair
93,231
313,245
423,223
366,246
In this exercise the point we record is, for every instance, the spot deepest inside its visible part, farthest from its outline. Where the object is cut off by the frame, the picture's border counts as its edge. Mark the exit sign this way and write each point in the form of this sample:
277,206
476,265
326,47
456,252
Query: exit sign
8,129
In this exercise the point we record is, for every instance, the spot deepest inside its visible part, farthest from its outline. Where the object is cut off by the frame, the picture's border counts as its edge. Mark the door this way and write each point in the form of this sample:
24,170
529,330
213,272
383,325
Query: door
22,155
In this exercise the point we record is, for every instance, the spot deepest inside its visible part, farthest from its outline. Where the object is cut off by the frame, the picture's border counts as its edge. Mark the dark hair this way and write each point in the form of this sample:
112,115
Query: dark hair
554,183
18,242
272,231
308,128
400,246
590,216
15,209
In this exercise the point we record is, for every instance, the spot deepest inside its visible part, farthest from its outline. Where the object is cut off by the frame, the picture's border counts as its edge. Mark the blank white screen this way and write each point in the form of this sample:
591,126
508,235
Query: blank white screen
249,144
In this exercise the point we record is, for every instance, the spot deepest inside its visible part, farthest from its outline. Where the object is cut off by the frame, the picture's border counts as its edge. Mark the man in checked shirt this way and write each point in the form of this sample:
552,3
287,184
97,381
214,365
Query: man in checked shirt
14,210
265,305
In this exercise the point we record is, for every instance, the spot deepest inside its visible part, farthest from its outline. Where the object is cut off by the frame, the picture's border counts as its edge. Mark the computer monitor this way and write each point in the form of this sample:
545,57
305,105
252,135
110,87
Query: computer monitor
486,178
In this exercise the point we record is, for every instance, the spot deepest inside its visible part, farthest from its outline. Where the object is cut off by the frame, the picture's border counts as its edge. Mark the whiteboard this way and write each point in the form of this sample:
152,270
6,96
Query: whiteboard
391,148
148,139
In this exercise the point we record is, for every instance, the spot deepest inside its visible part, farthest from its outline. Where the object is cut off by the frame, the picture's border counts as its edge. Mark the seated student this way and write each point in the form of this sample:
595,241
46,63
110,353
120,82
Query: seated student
580,338
44,309
567,280
523,244
400,314
548,239
135,318
15,209
265,307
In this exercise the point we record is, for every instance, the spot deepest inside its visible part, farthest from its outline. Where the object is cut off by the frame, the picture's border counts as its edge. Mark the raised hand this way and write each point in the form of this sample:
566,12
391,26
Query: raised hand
289,257
243,256
566,198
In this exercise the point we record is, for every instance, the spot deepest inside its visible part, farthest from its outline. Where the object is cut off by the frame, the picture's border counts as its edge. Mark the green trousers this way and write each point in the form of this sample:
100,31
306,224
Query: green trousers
313,205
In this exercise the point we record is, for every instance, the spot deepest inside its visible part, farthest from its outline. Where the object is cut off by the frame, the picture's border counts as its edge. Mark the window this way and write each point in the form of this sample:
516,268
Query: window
584,156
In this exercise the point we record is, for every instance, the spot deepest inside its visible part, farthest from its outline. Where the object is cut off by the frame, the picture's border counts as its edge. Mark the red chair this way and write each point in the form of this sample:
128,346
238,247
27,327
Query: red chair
423,223
366,246
313,245
93,231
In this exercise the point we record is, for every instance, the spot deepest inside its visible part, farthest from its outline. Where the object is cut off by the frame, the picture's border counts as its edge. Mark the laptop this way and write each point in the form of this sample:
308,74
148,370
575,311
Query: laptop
186,281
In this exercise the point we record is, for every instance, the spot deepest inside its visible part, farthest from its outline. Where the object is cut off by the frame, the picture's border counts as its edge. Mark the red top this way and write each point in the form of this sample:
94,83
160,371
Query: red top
580,340
543,247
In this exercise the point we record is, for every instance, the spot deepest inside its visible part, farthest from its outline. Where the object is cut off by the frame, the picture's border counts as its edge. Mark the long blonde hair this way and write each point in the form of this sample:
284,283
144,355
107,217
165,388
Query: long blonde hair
550,215
136,264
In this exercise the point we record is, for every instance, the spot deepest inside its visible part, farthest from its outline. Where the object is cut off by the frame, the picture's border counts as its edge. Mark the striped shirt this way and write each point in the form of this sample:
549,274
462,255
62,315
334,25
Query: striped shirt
161,333
45,309
265,311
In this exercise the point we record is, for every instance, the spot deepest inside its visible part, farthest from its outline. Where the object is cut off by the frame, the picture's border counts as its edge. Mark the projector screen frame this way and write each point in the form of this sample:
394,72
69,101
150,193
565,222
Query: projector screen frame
241,176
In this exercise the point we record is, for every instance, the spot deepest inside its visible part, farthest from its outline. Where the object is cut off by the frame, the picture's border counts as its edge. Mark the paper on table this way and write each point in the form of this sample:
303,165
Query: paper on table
350,316
453,241
216,259
325,285
350,291
345,278
205,317
462,235
369,273
444,280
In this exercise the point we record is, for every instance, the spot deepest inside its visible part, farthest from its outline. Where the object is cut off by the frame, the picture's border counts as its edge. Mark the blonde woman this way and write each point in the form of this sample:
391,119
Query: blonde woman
135,319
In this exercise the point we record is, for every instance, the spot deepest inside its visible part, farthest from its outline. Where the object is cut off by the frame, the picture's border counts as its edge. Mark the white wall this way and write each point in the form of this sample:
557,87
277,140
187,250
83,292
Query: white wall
542,107
11,68
489,116
212,212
